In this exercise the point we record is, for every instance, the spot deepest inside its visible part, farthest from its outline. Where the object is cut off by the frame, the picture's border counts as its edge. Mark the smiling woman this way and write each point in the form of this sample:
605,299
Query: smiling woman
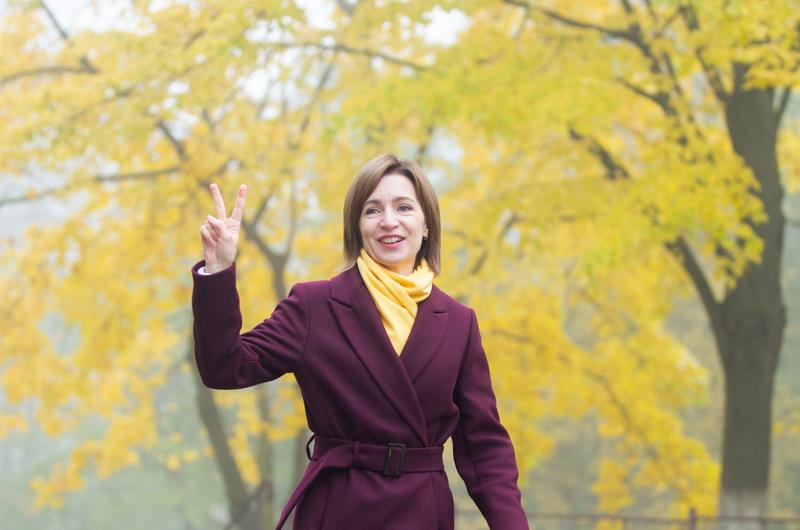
389,366
392,198
392,225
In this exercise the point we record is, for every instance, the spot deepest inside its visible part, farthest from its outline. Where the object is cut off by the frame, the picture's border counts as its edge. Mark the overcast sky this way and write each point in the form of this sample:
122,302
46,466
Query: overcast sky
442,28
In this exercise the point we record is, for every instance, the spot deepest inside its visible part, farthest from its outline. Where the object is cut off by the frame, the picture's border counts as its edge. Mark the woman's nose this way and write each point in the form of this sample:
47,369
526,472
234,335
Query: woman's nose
388,219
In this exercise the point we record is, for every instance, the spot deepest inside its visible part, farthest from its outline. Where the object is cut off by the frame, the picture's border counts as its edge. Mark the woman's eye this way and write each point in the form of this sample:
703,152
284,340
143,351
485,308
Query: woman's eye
405,208
370,211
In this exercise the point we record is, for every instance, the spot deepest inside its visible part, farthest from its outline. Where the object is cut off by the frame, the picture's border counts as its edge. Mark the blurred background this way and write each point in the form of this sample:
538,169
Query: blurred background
620,197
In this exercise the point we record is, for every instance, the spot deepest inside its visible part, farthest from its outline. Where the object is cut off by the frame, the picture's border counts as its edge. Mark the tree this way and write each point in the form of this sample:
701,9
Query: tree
570,164
721,76
117,116
675,110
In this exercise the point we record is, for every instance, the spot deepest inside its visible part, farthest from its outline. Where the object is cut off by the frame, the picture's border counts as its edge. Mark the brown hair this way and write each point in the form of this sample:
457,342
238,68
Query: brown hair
362,186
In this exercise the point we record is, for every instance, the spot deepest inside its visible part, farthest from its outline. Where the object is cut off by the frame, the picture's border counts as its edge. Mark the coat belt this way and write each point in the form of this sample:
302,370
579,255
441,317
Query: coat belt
392,460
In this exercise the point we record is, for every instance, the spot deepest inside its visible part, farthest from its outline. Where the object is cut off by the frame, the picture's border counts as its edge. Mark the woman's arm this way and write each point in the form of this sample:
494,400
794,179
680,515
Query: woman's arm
482,449
226,359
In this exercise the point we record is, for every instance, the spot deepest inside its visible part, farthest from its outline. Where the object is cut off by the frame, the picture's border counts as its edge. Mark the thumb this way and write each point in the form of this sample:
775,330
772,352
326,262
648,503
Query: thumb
219,228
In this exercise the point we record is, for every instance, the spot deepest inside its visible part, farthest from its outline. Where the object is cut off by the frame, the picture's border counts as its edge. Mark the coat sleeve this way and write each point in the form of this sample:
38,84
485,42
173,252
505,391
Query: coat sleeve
226,359
482,449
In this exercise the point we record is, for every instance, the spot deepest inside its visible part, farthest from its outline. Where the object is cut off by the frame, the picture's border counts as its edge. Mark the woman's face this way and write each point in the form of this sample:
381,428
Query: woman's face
392,224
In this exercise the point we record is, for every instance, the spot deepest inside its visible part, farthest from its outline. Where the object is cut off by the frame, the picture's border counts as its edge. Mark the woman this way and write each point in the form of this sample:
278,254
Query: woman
388,365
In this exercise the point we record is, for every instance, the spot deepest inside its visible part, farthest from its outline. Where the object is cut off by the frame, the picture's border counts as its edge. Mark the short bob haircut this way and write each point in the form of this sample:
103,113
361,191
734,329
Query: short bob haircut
365,182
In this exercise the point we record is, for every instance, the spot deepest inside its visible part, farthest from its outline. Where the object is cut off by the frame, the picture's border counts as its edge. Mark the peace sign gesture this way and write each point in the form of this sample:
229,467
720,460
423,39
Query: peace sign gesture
220,234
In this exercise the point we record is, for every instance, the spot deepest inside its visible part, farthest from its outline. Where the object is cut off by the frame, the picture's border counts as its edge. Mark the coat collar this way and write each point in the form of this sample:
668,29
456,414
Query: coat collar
360,321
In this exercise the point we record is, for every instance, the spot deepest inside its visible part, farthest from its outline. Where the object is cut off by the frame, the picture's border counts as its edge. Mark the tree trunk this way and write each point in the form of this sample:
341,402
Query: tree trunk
249,510
300,457
750,331
265,460
300,461
242,514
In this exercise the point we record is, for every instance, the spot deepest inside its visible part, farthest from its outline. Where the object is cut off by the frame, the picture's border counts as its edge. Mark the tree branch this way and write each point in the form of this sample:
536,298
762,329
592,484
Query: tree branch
712,74
292,234
47,70
61,31
681,249
261,104
351,50
513,219
193,37
262,207
263,247
118,94
651,10
118,177
614,169
676,86
611,32
306,120
422,150
659,98
526,13
180,150
631,34
84,60
665,23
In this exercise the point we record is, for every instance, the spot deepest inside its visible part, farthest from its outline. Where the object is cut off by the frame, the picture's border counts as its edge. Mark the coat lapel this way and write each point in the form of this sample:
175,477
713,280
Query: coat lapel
426,335
360,322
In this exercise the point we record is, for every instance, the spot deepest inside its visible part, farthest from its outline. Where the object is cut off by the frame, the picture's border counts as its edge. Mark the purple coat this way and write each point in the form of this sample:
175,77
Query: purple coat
355,387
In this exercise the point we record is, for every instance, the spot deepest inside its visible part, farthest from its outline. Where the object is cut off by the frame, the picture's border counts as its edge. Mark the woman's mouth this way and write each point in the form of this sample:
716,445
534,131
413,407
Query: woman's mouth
391,241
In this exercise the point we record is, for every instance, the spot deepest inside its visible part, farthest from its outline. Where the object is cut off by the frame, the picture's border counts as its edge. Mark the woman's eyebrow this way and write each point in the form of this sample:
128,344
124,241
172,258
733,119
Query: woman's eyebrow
395,199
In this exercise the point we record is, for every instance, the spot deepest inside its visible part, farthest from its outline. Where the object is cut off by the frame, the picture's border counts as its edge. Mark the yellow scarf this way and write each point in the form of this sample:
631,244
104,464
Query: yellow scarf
395,295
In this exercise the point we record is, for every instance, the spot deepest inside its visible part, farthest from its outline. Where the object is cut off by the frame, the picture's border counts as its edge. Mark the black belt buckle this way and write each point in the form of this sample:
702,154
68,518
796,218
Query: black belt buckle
390,449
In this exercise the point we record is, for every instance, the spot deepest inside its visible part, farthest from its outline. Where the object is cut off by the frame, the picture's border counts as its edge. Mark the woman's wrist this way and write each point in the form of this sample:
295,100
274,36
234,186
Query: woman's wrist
211,268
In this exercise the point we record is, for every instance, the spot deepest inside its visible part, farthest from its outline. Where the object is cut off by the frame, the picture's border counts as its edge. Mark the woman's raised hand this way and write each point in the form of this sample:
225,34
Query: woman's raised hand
220,234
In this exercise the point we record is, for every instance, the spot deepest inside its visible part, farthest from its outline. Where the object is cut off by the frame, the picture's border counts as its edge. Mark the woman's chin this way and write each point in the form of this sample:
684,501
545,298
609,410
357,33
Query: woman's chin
396,265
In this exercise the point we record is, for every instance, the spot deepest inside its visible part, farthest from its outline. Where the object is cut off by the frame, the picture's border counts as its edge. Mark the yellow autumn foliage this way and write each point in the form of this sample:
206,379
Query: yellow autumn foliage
560,250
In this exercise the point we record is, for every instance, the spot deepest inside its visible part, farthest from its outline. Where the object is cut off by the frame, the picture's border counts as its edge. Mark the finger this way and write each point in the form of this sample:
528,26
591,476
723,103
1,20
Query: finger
220,229
238,207
218,202
206,236
217,227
